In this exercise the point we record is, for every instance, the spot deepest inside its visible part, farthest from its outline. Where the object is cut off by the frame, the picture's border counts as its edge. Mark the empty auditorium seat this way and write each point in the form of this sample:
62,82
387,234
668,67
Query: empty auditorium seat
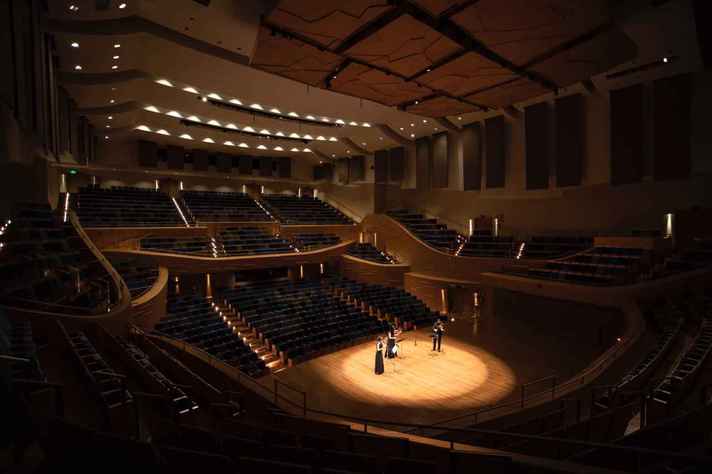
125,207
428,230
553,246
289,209
213,206
138,276
311,241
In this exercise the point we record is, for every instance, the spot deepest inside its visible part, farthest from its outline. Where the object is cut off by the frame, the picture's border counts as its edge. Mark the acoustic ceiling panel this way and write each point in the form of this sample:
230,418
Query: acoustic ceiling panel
441,7
521,30
405,46
465,74
441,107
362,81
592,57
328,23
293,58
508,93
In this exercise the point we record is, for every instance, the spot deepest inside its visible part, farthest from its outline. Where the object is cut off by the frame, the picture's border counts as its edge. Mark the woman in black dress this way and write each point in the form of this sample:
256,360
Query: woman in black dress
379,356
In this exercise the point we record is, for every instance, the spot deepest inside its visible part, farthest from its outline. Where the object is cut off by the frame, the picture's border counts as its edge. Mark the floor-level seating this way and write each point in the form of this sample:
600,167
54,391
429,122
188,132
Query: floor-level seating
212,206
367,251
47,266
125,207
194,320
291,209
138,276
394,303
299,320
428,230
311,241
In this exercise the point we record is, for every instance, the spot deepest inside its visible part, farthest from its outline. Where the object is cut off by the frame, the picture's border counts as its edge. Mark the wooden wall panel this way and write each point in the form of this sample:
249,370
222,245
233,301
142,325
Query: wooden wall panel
423,163
373,273
357,168
284,168
245,167
440,161
495,153
536,124
672,127
223,163
147,154
176,157
570,147
381,166
472,156
627,131
200,160
429,290
396,164
266,169
342,170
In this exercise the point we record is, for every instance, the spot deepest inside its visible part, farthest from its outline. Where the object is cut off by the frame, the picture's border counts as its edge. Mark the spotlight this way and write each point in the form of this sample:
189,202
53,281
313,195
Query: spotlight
665,59
74,44
122,6
77,67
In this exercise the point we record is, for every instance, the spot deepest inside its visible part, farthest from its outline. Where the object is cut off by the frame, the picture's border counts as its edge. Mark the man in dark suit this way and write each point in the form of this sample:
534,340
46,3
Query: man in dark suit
438,330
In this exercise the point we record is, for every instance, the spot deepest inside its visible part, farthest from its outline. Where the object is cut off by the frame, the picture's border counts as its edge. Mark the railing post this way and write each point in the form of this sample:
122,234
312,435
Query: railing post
365,427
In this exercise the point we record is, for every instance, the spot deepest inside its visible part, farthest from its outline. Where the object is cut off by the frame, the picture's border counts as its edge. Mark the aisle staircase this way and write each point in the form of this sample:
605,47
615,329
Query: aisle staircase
273,362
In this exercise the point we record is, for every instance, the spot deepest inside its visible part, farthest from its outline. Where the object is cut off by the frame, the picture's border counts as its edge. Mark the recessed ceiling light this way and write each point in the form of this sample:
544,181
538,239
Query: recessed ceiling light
235,101
275,111
116,56
366,124
293,114
278,148
111,117
214,123
117,45
215,96
306,150
73,8
294,149
114,67
204,99
143,128
320,138
162,132
106,137
459,118
74,44
333,139
307,137
380,138
112,101
436,129
333,155
248,129
256,106
228,143
261,147
174,113
208,140
151,108
243,145
412,125
401,128
164,82
190,89
412,135
310,117
425,121
185,136
193,118
77,67
665,59
122,6
108,126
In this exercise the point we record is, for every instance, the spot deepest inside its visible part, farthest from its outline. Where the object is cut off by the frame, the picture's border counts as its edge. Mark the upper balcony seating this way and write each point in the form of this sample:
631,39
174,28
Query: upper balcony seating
369,252
486,245
597,266
300,319
688,366
16,340
698,255
192,319
46,266
303,210
191,245
311,241
428,230
108,386
212,206
139,277
125,207
390,302
551,246
251,241
157,381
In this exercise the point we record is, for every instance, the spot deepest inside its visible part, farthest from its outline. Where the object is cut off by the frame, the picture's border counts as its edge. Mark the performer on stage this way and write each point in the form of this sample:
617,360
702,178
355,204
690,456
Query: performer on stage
379,355
391,351
438,330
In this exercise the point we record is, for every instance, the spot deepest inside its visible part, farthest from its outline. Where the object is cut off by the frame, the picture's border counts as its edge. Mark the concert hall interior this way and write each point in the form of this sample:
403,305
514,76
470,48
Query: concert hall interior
367,236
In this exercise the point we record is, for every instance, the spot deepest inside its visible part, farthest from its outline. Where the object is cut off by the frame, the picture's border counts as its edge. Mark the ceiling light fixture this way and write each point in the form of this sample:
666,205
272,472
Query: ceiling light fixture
151,108
235,101
190,89
122,6
117,45
185,136
306,150
208,140
77,67
162,132
243,145
163,82
114,67
261,147
74,44
256,106
215,96
112,101
228,143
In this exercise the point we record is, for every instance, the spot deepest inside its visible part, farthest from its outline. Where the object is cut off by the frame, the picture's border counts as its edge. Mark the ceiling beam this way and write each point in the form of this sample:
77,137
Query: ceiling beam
447,124
393,135
353,146
453,10
368,29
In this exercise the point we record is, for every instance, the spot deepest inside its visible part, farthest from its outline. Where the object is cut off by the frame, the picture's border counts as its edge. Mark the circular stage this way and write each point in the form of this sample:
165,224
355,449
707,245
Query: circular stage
420,386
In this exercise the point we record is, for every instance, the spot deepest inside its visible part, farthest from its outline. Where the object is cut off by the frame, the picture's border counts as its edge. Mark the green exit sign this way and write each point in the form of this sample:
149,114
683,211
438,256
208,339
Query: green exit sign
73,171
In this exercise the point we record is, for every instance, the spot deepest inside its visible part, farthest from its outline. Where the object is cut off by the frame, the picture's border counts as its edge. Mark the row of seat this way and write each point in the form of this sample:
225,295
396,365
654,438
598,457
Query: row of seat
16,340
47,266
312,240
138,276
125,207
213,206
231,242
305,210
193,319
367,251
428,230
389,302
299,320
488,246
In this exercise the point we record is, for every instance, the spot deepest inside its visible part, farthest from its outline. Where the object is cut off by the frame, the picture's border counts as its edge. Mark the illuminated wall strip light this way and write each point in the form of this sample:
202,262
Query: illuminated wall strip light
66,206
175,203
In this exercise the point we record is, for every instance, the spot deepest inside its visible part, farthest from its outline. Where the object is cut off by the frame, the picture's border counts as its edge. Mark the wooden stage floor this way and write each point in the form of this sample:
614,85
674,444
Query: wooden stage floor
479,366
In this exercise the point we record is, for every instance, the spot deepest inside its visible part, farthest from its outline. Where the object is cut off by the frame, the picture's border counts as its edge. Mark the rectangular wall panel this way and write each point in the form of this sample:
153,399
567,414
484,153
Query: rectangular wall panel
175,157
284,169
627,135
223,163
440,161
423,163
569,140
245,165
495,152
536,128
396,164
265,166
200,160
672,127
342,170
357,168
147,154
380,163
472,156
